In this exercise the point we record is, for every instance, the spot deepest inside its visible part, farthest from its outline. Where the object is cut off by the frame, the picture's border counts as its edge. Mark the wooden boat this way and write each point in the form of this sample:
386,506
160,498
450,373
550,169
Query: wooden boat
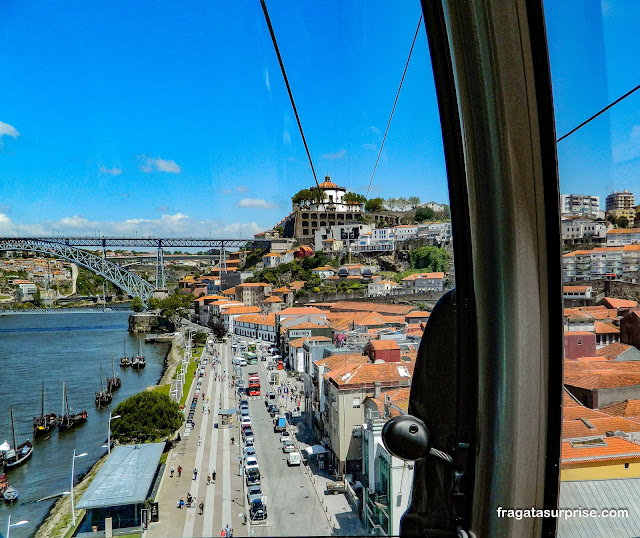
4,483
138,361
44,423
67,419
124,361
104,396
10,495
20,453
113,382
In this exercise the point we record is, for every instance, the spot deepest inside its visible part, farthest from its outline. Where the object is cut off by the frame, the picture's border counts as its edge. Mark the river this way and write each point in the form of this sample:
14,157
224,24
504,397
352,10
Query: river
53,348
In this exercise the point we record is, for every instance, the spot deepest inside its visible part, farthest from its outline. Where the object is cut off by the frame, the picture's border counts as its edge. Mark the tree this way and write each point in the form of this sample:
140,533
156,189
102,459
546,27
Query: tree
314,281
391,203
146,416
432,259
402,203
136,304
413,201
200,337
374,205
37,298
174,306
216,325
424,213
354,198
622,222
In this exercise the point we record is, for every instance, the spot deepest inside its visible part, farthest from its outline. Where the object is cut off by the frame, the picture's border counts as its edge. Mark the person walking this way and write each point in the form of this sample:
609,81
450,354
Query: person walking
227,529
181,503
201,506
200,438
195,473
171,472
208,479
223,533
179,471
213,476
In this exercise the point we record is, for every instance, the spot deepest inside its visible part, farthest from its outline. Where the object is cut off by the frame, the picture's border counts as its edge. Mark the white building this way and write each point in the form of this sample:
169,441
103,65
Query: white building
439,231
324,271
26,290
438,208
378,288
405,231
583,230
423,282
623,236
583,205
377,240
346,234
577,292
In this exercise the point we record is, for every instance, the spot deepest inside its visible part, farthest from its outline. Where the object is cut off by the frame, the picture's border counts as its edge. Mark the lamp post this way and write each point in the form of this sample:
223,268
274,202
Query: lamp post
9,524
73,467
109,438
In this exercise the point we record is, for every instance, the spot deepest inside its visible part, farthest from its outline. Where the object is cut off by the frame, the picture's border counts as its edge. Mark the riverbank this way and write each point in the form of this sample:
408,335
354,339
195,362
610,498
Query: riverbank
58,522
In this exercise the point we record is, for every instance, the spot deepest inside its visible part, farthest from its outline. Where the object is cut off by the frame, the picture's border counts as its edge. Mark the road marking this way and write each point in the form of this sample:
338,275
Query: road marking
209,507
226,454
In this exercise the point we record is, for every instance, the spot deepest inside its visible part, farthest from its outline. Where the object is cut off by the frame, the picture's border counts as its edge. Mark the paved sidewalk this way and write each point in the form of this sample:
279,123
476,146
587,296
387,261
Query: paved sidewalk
223,499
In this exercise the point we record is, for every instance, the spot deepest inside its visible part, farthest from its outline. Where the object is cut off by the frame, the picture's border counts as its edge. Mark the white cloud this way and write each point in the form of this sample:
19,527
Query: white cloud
115,171
372,129
266,80
335,156
286,137
166,226
226,191
242,188
9,130
150,164
256,203
368,146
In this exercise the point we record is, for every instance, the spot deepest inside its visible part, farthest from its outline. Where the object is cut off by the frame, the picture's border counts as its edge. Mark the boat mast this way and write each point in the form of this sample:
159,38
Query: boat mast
13,429
42,411
101,384
64,392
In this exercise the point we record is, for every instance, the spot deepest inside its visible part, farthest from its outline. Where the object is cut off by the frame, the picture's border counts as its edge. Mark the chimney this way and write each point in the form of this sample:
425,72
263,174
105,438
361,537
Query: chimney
376,389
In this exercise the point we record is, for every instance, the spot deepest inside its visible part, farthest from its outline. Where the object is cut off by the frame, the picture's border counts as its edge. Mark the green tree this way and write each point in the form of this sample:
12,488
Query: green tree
146,416
37,298
374,205
612,219
413,201
136,304
200,338
424,213
432,259
402,203
174,306
216,325
314,281
354,198
622,222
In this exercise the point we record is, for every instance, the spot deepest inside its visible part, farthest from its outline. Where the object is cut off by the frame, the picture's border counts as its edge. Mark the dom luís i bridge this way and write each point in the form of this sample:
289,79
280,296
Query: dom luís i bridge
79,250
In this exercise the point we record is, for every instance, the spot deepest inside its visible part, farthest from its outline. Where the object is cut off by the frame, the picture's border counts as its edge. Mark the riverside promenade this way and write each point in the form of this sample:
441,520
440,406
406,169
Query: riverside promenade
224,500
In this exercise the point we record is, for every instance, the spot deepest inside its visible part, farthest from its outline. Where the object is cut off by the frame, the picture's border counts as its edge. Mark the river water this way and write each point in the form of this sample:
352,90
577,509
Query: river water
53,348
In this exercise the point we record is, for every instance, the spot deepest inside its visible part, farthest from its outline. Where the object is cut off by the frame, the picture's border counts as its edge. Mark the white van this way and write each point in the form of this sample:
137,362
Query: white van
294,458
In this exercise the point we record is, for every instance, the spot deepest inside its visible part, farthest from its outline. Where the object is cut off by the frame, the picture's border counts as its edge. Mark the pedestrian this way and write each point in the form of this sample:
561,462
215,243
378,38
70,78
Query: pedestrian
233,440
213,476
179,471
227,529
200,438
181,503
223,533
201,507
230,533
203,408
195,473
208,479
171,472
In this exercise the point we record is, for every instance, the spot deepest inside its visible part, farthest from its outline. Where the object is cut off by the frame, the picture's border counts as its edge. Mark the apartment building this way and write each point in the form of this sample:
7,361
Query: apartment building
581,230
583,205
620,200
423,282
252,294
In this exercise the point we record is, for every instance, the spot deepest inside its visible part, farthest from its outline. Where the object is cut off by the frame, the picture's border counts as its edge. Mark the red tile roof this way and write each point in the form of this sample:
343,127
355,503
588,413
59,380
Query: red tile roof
605,328
301,311
418,314
381,308
612,350
399,398
298,342
627,408
605,380
234,310
615,449
620,303
572,429
367,374
381,345
334,362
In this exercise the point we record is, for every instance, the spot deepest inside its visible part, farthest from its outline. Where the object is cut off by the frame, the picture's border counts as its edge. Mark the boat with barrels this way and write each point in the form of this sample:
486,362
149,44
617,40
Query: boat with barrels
44,423
68,419
19,453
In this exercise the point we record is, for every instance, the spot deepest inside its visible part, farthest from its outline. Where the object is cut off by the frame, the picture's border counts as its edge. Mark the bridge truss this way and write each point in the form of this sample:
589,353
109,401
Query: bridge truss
130,283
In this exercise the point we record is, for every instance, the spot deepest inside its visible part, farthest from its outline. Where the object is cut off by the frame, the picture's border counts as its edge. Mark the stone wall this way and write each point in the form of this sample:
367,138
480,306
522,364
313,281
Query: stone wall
611,288
147,322
428,299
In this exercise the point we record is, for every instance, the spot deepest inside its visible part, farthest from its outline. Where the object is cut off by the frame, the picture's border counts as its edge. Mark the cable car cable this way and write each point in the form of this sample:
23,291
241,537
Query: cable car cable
286,81
394,105
598,113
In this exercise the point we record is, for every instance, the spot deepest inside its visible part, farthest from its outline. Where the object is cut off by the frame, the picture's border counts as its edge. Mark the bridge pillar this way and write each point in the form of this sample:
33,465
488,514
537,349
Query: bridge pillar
160,278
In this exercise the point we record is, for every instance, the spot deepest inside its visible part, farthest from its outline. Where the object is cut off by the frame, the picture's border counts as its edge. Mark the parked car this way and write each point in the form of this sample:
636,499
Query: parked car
244,402
252,478
285,436
245,420
249,442
279,425
294,458
248,434
251,461
257,510
249,451
333,488
273,409
288,446
254,492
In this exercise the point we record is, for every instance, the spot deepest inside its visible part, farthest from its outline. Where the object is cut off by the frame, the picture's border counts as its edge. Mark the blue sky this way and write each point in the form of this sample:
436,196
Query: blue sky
155,118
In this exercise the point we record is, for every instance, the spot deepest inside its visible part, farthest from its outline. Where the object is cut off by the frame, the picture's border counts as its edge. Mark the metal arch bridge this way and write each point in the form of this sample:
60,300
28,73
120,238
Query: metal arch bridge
133,285
130,283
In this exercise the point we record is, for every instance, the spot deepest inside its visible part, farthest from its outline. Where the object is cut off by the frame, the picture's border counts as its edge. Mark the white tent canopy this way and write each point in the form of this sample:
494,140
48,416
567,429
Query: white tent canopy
5,446
315,449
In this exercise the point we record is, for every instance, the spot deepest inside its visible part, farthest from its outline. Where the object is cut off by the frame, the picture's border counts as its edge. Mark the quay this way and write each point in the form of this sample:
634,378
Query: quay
71,310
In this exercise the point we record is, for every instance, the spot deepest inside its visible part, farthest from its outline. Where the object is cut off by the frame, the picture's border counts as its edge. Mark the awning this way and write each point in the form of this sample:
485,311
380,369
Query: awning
5,446
315,449
125,478
227,411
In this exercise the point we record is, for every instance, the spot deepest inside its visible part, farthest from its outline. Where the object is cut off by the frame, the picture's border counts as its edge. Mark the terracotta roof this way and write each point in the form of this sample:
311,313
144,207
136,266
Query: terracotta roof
234,310
576,252
418,314
230,291
574,313
258,319
620,303
615,449
578,333
381,308
604,313
252,285
334,362
370,319
399,398
298,342
271,255
576,289
323,268
381,345
605,328
283,289
340,324
624,231
369,373
627,408
297,284
328,184
613,350
575,428
603,380
301,311
273,299
417,276
572,367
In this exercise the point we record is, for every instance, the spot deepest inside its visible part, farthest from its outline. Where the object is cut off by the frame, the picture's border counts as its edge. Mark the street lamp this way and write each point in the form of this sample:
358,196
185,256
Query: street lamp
9,524
73,466
109,438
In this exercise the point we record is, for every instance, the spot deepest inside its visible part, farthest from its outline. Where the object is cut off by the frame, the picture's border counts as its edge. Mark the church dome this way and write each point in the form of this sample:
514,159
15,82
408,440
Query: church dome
328,184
